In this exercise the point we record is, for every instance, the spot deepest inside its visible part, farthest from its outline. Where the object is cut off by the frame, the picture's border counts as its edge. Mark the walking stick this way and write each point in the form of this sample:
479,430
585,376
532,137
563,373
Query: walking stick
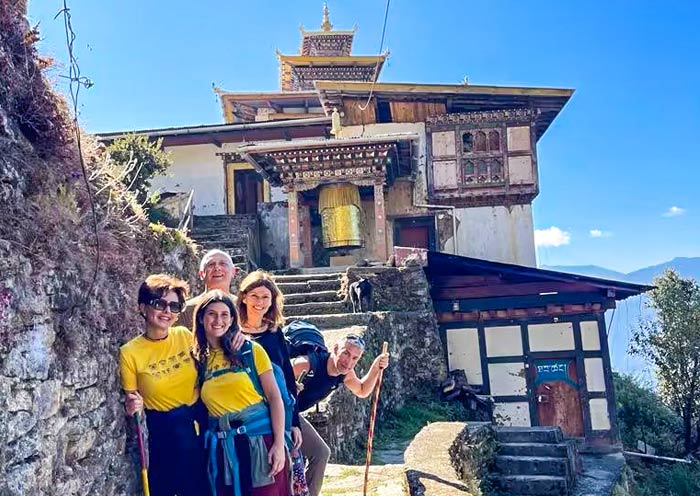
372,417
142,455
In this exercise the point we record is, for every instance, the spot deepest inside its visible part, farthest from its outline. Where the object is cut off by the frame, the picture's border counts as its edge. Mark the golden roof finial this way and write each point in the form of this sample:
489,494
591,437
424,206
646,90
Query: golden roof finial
326,24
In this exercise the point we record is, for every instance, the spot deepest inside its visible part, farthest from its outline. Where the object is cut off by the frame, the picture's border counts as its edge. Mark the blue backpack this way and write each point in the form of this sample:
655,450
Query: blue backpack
247,358
303,338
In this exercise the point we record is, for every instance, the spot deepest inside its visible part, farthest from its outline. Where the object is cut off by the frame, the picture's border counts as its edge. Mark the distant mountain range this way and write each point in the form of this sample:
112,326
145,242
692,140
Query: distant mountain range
687,267
630,311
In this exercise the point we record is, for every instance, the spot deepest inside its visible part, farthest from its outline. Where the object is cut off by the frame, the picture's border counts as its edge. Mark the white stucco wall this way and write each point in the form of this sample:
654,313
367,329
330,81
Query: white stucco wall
463,353
499,234
590,336
420,187
196,167
512,414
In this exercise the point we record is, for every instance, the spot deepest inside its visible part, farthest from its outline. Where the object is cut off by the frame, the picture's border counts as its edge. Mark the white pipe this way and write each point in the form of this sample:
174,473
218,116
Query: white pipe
454,222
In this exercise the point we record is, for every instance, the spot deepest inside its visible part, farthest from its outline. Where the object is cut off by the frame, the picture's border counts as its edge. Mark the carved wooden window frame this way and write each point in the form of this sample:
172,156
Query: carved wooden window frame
482,159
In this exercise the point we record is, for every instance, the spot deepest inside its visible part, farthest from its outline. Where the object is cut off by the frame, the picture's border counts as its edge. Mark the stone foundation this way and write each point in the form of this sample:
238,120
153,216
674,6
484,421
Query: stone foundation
417,363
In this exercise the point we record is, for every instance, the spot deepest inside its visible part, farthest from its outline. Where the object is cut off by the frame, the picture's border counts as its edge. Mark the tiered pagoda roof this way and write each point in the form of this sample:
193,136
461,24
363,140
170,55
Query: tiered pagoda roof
326,55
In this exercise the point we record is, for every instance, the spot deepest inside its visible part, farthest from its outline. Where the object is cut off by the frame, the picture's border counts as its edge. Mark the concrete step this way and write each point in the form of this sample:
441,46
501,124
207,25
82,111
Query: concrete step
552,435
334,321
316,308
315,296
545,485
532,465
308,286
533,449
308,277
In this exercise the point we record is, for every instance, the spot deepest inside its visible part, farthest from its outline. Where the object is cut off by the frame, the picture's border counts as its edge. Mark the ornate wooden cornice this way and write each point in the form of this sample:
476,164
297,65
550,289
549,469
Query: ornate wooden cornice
483,117
313,166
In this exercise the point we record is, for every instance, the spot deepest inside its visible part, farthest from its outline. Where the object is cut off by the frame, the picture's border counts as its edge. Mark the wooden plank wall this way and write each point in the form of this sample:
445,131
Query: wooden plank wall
354,115
415,111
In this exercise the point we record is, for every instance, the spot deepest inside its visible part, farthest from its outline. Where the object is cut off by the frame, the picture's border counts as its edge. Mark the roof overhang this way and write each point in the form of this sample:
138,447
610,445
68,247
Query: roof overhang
230,133
331,61
304,164
444,265
457,97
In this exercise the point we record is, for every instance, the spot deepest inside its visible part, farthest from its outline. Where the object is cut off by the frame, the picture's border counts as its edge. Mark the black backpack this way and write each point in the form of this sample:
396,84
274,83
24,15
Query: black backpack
303,338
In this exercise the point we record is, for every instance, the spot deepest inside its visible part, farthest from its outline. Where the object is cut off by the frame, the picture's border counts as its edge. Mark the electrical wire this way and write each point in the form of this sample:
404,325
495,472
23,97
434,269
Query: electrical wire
376,67
75,82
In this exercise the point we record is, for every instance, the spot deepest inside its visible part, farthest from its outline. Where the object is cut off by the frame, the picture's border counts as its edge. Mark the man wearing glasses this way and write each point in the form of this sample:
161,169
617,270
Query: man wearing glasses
217,271
325,372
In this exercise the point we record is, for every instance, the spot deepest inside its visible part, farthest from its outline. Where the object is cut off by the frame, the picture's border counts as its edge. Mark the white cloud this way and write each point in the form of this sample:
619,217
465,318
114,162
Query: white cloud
674,212
552,236
597,233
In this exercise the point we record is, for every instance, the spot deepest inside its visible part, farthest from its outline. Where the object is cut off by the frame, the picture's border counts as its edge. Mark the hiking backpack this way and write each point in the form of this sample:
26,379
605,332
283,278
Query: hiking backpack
303,338
248,360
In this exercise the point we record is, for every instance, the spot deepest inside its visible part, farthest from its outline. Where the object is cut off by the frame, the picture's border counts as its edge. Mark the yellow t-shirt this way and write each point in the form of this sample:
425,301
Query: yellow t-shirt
163,372
232,391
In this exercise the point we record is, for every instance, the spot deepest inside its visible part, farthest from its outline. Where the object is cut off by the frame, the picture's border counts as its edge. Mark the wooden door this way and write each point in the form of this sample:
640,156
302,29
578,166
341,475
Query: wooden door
248,191
414,237
556,387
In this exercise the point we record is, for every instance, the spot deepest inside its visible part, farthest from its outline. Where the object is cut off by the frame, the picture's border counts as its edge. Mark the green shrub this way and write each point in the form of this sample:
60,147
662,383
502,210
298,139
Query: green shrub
138,160
675,479
642,416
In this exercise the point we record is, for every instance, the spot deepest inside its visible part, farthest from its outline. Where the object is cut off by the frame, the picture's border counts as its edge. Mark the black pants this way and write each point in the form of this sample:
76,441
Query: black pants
176,453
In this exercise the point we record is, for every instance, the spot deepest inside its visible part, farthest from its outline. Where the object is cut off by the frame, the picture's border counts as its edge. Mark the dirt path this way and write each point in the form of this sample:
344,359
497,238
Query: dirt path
346,480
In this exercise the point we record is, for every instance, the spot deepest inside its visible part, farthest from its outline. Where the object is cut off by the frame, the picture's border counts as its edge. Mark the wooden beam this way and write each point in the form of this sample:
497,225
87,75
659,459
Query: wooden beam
443,282
517,313
504,289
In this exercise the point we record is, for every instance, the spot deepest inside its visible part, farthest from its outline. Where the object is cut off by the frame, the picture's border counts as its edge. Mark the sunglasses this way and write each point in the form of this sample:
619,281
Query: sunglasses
355,340
161,305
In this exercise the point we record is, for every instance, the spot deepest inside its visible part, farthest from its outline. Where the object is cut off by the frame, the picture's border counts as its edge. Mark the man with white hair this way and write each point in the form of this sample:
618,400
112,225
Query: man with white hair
217,271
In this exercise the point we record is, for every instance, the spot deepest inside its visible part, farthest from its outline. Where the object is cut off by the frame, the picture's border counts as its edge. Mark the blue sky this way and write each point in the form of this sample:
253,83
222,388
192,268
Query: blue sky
617,160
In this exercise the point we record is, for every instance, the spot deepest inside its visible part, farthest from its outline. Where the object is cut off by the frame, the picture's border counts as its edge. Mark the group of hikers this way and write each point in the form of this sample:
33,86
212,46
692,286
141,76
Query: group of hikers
220,392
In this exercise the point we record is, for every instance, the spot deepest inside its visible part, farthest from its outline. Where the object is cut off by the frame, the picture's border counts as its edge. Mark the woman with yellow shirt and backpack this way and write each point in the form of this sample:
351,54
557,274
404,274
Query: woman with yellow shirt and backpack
158,374
248,439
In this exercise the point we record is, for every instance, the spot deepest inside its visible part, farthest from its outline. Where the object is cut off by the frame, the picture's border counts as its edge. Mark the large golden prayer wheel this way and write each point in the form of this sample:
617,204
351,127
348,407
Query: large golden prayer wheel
341,215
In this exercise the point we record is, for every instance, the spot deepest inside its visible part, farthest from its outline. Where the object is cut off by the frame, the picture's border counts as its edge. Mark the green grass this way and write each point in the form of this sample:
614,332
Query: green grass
403,425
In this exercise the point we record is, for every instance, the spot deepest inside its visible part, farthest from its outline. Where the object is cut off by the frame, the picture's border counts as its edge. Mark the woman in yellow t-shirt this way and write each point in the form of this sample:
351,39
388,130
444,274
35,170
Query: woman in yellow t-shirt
158,374
246,443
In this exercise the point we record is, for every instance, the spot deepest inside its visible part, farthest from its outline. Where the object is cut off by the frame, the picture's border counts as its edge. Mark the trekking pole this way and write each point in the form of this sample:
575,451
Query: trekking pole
372,418
142,455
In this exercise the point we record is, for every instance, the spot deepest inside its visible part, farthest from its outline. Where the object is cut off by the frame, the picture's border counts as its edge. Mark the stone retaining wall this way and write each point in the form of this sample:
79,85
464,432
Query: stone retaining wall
416,367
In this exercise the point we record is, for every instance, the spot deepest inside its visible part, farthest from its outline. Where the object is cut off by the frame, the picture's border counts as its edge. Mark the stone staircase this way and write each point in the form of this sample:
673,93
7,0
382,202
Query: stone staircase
534,461
235,234
314,298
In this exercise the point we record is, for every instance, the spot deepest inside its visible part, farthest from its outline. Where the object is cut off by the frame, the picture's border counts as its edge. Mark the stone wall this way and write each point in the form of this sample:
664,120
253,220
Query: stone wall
471,455
449,458
416,367
394,288
62,315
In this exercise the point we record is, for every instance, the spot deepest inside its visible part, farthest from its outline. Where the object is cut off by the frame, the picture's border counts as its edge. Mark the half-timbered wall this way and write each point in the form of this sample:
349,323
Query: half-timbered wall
498,356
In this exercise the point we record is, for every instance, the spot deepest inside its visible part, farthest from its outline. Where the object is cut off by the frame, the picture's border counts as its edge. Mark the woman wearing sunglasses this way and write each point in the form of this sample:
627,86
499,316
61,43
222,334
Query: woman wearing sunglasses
159,377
